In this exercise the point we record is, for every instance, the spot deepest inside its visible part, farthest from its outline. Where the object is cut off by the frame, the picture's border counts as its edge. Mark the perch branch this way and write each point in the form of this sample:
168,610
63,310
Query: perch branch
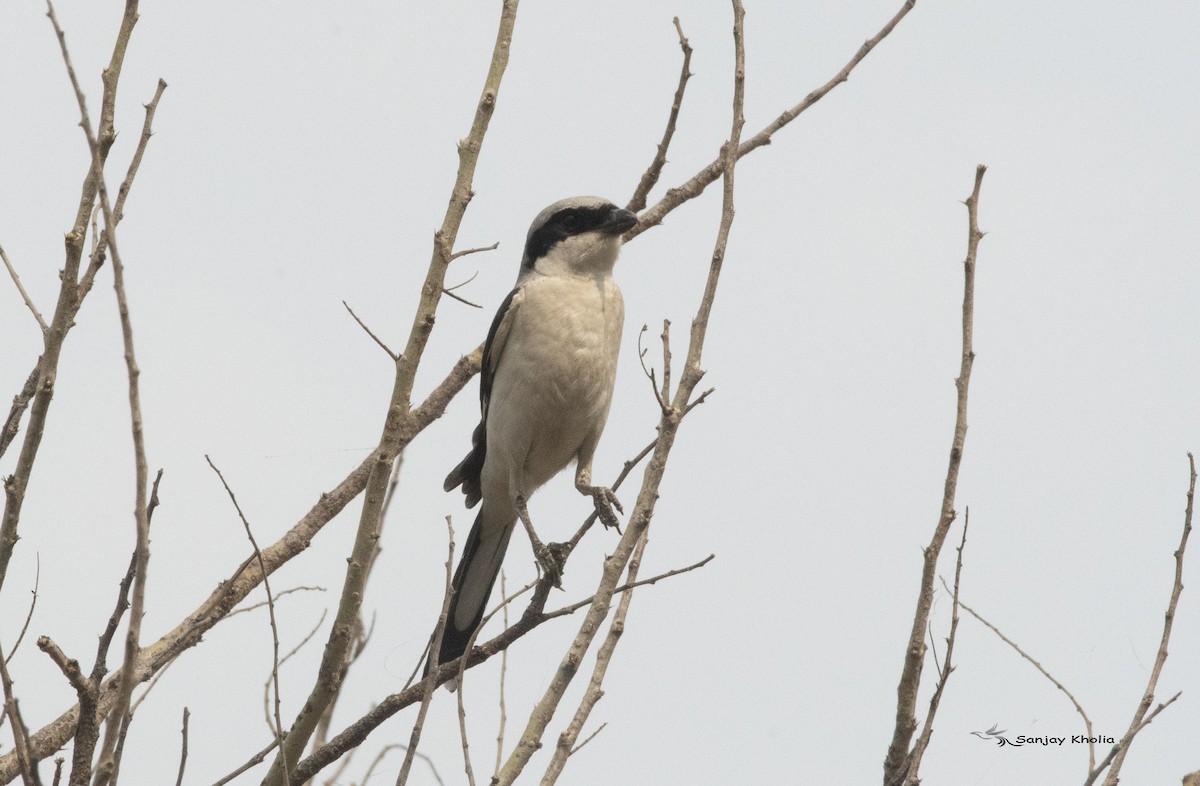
896,763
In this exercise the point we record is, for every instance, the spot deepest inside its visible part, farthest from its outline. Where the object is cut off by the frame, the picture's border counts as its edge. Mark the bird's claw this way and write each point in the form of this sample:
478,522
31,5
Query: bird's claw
550,559
605,500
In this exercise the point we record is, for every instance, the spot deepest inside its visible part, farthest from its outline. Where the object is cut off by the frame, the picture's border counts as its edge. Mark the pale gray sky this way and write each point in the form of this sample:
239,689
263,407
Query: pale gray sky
303,155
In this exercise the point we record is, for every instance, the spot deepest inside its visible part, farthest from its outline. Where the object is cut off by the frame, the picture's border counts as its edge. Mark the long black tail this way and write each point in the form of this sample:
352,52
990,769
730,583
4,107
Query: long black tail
472,584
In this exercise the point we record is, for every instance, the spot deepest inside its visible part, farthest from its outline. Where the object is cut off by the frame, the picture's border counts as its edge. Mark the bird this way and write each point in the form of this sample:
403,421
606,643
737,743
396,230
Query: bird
546,385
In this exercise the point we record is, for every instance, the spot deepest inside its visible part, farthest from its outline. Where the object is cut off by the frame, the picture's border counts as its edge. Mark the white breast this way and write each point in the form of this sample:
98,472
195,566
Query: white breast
554,383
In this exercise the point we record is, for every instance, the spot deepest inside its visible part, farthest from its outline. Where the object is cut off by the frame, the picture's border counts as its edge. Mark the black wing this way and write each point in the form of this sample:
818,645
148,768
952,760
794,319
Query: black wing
467,473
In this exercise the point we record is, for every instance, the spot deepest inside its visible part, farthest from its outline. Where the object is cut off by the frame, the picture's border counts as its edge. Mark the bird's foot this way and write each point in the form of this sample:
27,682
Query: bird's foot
550,559
605,500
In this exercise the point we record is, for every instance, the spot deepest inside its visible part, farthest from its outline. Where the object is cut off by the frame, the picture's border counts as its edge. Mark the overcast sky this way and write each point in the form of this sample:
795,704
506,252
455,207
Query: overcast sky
303,155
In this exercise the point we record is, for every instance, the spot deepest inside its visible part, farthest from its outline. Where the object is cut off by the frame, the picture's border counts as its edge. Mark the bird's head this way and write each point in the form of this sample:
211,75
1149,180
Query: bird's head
580,235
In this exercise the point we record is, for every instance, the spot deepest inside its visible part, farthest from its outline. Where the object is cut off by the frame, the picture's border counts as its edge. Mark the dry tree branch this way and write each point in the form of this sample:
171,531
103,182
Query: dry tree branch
183,751
376,338
12,423
20,732
533,616
430,682
571,608
188,631
70,299
639,519
1087,722
628,467
100,248
37,579
503,674
654,171
278,727
24,295
399,415
709,174
67,306
565,746
944,670
1140,717
229,592
109,763
278,595
253,761
659,396
896,765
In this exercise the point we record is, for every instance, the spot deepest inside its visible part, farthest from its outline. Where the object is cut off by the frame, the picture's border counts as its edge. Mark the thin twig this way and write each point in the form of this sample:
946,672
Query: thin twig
272,678
627,468
253,761
270,608
374,337
503,674
20,732
896,762
429,684
98,252
1087,722
628,585
37,578
709,174
654,171
278,595
589,738
24,295
183,751
1140,717
649,372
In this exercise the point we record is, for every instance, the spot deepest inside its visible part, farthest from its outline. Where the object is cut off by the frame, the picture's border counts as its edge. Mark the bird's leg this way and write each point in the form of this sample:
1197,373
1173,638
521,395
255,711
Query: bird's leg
603,498
550,562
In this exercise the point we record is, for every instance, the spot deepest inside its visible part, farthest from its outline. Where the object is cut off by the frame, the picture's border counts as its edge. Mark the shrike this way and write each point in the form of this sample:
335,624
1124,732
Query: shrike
546,384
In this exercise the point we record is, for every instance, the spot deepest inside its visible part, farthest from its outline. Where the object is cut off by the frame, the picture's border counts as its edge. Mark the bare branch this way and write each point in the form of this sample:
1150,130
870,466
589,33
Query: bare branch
101,247
1087,722
639,519
399,417
254,761
12,423
628,467
503,673
376,338
24,295
270,601
183,749
709,174
1140,717
20,732
430,683
944,669
594,691
896,763
654,171
450,290
69,298
278,595
628,585
37,578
